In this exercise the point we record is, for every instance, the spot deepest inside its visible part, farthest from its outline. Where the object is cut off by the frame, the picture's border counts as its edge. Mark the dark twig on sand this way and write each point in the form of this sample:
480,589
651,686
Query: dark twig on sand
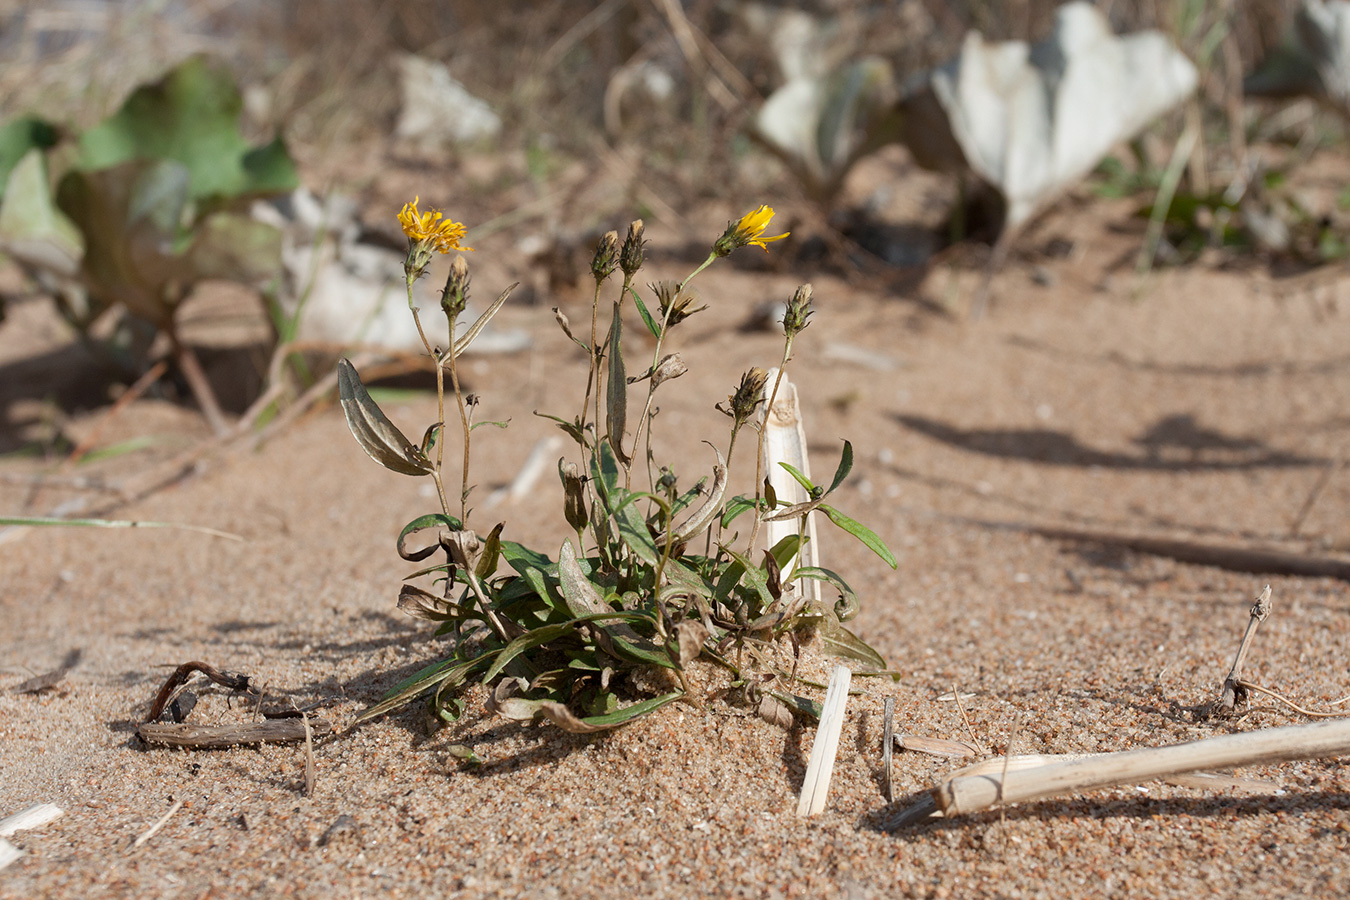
220,737
180,675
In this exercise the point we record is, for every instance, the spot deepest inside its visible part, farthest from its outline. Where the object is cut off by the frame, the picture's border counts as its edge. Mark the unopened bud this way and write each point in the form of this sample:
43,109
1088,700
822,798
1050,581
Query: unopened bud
630,258
606,256
798,313
456,294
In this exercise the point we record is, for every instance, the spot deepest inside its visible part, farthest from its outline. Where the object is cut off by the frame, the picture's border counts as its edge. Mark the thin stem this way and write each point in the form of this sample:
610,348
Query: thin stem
464,424
440,400
759,454
591,378
703,265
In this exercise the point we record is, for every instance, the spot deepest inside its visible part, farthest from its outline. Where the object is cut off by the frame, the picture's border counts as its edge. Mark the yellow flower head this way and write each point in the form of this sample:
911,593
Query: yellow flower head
749,231
428,229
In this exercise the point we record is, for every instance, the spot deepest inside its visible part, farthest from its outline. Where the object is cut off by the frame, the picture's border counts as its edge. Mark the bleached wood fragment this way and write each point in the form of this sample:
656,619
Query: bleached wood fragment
972,792
816,786
32,817
785,442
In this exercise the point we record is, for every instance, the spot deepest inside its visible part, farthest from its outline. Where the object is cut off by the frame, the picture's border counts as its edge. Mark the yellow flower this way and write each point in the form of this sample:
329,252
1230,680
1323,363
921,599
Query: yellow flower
749,231
428,229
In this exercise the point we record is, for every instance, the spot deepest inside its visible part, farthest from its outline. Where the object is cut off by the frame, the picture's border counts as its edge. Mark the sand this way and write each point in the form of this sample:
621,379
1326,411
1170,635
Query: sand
1201,404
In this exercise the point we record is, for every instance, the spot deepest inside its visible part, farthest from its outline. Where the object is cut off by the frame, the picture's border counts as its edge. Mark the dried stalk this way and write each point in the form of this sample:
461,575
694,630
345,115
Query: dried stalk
965,793
220,737
1234,691
816,785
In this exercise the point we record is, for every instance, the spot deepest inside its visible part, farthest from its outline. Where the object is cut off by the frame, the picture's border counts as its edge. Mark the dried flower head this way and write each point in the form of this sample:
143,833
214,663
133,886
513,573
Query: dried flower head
675,302
428,233
606,258
798,313
630,258
455,296
742,404
748,231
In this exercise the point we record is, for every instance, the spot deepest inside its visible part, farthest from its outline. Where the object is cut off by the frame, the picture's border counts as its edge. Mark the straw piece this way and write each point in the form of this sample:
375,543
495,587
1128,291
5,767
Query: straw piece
816,785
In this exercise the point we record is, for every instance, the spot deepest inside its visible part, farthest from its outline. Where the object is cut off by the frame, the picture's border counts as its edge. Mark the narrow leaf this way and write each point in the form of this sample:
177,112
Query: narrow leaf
862,533
848,605
487,563
845,466
561,716
647,319
841,642
616,394
463,343
799,477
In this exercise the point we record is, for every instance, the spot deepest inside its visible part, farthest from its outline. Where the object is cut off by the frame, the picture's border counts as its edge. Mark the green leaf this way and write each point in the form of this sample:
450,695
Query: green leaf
803,705
839,641
32,228
191,116
632,527
528,641
647,319
862,533
18,138
845,466
561,716
848,605
487,563
800,478
451,672
735,506
378,436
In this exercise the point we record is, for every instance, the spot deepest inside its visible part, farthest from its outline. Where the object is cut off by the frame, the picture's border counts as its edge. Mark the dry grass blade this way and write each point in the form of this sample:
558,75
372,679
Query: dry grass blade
935,746
481,322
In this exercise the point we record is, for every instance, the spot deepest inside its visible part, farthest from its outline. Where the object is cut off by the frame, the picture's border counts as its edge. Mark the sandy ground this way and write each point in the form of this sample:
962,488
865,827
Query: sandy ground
1202,404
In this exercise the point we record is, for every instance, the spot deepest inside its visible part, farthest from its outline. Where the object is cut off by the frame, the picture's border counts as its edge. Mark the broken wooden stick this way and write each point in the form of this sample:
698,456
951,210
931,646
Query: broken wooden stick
965,793
180,677
220,737
1234,691
816,785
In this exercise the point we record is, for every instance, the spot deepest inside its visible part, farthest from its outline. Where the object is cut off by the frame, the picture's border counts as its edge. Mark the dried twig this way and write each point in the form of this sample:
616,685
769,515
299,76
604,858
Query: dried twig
1248,686
1233,691
888,718
177,805
964,793
309,755
220,737
180,675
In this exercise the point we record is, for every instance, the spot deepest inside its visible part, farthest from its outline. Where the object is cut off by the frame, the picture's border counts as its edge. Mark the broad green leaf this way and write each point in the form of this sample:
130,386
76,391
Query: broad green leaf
862,533
192,116
845,466
528,641
378,436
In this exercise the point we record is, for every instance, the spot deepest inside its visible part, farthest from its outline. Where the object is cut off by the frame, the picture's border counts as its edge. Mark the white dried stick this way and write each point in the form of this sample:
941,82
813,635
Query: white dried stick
971,793
816,786
785,442
32,817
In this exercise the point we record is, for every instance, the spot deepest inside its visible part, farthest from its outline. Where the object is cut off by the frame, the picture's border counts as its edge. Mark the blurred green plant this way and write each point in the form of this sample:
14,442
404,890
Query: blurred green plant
146,205
571,639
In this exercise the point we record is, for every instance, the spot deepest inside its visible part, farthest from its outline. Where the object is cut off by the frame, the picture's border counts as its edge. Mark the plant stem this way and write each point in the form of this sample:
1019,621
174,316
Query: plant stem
440,399
464,424
591,378
759,453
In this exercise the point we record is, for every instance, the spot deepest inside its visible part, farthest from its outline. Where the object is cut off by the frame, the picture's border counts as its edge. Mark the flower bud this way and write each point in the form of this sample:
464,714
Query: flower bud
456,294
606,256
798,312
630,258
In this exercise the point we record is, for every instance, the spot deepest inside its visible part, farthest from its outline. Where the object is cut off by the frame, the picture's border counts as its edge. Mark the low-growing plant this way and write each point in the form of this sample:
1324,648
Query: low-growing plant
655,576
